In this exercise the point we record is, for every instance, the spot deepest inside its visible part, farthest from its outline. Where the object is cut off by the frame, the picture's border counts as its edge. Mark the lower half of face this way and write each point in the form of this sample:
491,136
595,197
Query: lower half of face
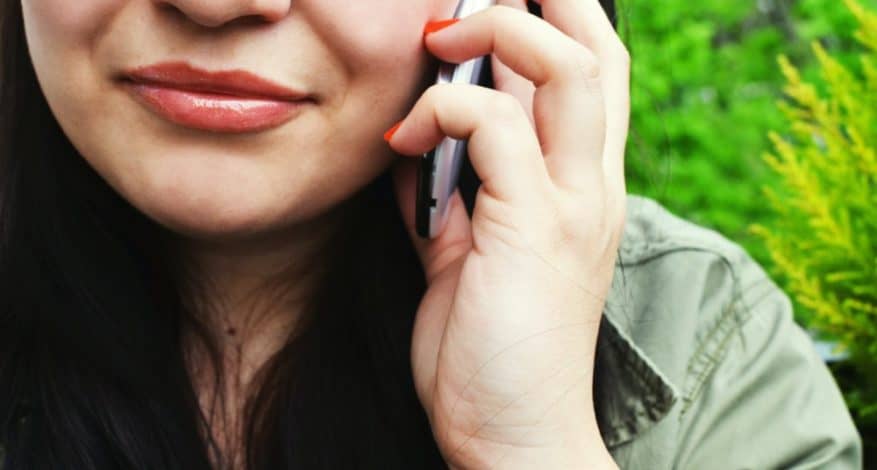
238,168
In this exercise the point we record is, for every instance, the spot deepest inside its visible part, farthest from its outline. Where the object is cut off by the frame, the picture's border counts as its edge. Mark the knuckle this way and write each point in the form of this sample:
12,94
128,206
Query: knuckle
433,94
570,229
569,225
504,106
594,228
587,66
504,15
583,65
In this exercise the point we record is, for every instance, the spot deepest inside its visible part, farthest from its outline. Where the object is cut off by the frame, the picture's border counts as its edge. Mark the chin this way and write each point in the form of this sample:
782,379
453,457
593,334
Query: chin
223,217
226,197
211,215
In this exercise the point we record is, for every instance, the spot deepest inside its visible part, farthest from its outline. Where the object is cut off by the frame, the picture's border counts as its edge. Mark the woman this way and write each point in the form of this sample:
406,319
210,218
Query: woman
204,264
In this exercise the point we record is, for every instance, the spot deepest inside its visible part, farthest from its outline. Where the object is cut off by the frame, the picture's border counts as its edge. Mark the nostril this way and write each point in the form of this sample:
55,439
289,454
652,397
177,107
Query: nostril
216,13
178,11
166,7
249,20
177,14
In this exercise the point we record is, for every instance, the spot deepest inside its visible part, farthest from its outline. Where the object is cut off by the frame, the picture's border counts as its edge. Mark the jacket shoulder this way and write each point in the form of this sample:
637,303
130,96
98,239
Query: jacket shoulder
651,230
715,326
684,292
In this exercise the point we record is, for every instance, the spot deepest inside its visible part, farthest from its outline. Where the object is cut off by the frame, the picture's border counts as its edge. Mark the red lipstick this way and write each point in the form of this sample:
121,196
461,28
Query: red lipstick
230,101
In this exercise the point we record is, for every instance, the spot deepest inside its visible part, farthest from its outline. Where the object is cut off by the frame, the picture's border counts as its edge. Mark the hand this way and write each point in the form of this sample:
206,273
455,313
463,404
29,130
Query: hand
504,339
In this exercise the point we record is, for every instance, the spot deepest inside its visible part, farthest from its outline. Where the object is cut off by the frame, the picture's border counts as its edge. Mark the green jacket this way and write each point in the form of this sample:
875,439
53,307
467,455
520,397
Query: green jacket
700,364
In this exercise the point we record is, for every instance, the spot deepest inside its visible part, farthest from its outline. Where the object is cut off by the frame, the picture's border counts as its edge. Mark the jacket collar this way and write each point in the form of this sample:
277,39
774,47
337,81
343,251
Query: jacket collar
631,394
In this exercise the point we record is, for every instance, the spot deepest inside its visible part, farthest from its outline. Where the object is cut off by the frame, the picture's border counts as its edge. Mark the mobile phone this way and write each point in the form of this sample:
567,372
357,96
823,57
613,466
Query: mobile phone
439,168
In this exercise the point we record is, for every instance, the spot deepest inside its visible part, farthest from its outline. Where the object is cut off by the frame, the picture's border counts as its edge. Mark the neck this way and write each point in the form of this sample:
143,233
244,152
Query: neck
246,296
248,293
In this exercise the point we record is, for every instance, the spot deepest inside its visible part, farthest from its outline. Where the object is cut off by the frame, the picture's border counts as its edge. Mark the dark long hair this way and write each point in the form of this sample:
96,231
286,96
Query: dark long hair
92,371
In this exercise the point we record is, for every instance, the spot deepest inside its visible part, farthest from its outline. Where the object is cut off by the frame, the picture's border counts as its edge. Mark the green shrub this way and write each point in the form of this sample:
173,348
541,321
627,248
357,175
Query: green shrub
822,229
704,88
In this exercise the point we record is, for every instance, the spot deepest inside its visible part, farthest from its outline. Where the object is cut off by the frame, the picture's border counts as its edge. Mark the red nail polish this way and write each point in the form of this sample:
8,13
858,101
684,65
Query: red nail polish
389,134
433,26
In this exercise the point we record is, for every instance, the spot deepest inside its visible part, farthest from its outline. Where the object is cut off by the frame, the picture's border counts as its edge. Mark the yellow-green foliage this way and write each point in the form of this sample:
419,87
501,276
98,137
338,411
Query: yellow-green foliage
823,232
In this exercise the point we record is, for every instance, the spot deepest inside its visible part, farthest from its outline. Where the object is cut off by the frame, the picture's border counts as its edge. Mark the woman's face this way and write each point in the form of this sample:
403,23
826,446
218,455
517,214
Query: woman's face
277,163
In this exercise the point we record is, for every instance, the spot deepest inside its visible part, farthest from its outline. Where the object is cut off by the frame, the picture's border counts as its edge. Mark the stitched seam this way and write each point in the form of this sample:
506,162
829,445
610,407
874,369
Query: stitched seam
709,351
621,430
644,369
708,360
732,320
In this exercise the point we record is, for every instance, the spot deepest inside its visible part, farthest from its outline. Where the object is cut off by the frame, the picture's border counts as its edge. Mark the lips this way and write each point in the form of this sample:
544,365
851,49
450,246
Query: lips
230,101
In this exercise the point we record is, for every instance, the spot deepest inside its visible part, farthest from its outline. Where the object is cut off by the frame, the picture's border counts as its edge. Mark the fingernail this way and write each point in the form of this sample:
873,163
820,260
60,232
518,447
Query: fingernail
433,26
389,134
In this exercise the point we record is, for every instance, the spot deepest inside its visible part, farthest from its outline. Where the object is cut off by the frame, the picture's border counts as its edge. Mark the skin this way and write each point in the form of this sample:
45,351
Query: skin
504,339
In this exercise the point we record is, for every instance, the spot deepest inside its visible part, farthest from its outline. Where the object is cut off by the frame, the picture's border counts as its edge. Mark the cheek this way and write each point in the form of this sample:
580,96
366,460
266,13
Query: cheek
60,36
53,20
379,50
373,34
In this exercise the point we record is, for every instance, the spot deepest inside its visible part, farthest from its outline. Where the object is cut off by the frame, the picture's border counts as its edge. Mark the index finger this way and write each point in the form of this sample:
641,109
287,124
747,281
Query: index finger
568,106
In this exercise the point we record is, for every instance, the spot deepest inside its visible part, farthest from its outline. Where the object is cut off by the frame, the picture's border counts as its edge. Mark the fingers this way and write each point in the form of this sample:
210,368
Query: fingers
586,22
502,147
583,20
568,105
505,79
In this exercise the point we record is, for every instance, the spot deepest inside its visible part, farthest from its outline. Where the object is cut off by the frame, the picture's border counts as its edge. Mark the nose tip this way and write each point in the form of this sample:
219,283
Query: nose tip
214,13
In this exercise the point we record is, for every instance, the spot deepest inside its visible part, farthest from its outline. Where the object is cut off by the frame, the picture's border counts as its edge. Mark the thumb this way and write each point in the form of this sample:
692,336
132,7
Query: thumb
455,241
